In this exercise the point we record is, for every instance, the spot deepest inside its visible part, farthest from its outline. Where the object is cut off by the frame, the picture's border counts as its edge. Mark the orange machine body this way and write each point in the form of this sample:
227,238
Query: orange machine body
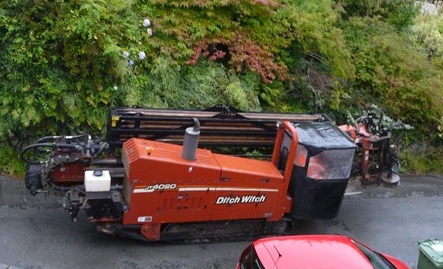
171,192
161,187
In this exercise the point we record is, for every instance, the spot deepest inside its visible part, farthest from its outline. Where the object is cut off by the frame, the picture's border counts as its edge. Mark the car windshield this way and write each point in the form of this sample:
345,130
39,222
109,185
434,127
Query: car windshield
377,260
250,260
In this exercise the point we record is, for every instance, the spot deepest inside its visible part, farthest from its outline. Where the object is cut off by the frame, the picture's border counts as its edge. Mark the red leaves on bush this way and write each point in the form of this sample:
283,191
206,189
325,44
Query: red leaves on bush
243,52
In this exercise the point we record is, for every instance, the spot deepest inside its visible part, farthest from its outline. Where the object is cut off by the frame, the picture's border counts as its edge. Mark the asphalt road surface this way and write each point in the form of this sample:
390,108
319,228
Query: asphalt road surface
36,233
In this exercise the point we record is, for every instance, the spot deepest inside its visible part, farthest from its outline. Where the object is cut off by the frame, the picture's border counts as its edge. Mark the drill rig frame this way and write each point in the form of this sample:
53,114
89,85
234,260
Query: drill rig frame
96,175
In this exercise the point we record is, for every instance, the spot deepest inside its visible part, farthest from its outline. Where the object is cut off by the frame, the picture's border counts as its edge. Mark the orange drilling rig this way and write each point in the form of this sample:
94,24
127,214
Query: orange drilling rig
149,180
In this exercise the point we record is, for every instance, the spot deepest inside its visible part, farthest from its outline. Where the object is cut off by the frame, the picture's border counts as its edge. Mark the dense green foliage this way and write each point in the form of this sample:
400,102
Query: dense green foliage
392,73
63,63
422,159
398,13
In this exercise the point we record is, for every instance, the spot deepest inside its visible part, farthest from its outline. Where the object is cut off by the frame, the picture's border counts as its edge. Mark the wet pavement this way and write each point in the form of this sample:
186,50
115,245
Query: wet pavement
36,233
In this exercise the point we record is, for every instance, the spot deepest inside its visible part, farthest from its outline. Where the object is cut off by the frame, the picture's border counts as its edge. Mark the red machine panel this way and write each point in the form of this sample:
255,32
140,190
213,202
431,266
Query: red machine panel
248,189
161,187
69,173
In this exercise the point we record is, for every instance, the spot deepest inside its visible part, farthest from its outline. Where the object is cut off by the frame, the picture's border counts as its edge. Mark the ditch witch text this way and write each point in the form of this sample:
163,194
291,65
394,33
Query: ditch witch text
240,199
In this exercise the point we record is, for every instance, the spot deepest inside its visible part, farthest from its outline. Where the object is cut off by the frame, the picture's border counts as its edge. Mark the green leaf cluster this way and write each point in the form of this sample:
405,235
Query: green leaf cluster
399,13
391,72
63,63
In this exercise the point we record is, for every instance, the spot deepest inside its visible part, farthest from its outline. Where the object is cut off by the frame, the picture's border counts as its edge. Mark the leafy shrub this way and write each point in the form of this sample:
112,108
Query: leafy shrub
428,33
392,73
400,13
423,159
10,162
63,63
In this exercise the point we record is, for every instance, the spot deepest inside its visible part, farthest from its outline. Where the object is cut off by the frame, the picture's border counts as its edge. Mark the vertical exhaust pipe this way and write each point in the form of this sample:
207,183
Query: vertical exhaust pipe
190,141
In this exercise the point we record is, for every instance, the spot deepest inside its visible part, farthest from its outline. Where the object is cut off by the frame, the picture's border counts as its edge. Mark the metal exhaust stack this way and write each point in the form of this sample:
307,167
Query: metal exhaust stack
190,141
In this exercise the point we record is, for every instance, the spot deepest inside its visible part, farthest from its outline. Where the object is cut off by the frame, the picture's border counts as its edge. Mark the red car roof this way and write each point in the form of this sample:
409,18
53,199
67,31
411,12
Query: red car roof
310,252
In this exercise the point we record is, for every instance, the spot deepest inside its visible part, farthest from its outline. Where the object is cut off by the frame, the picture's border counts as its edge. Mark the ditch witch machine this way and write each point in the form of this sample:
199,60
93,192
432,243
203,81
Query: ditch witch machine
142,183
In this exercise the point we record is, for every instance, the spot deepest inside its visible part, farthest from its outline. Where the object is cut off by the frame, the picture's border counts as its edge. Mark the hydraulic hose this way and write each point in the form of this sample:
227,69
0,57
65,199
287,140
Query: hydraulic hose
357,129
103,146
54,137
45,145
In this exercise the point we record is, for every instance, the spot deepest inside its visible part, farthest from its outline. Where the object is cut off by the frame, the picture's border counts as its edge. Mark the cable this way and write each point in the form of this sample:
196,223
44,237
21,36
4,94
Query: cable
45,145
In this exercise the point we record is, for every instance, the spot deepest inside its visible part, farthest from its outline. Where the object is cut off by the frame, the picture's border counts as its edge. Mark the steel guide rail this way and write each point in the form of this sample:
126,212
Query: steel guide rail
220,126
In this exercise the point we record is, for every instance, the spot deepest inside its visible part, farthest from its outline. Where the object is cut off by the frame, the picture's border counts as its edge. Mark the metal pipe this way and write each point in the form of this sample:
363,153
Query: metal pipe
190,141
